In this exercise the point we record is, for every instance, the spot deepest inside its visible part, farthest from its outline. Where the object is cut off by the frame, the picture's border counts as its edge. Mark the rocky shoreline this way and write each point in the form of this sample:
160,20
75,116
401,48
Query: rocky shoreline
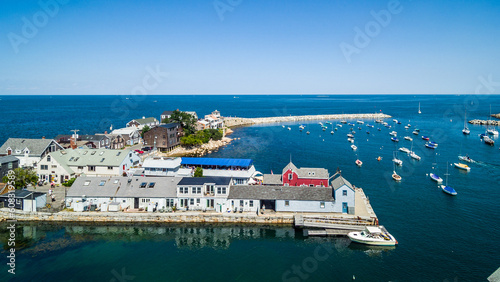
485,122
198,151
496,116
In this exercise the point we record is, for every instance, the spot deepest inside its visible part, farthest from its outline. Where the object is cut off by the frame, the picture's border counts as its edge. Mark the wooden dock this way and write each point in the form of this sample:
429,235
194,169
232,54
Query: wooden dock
326,232
351,224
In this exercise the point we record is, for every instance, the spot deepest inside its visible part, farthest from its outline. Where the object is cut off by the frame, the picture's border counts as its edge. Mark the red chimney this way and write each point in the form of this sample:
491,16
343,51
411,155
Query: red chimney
72,142
106,132
43,137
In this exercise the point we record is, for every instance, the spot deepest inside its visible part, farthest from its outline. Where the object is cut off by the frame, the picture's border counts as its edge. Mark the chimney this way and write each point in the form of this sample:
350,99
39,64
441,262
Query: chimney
72,143
43,137
106,132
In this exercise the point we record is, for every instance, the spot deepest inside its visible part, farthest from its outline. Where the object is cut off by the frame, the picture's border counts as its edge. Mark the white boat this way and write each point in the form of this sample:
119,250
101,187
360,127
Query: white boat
395,176
408,138
466,159
462,166
415,156
393,133
406,150
419,108
283,126
308,132
354,147
350,135
360,121
395,120
372,235
406,127
350,140
289,128
436,178
301,127
358,162
397,161
491,130
466,130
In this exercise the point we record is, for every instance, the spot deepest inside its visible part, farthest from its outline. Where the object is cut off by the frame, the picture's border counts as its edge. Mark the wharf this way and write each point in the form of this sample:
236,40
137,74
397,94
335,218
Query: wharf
238,121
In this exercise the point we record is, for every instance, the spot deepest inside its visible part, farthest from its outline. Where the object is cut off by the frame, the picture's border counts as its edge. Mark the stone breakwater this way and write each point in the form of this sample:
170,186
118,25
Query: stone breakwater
496,116
237,121
485,122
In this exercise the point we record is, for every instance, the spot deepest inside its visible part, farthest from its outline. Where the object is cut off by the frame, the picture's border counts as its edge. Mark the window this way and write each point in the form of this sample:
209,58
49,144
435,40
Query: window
181,190
311,185
9,165
151,185
219,190
241,203
87,183
91,168
80,167
44,167
198,190
344,192
146,200
322,205
48,158
102,183
198,201
54,166
191,202
193,190
143,185
110,168
77,158
290,176
287,203
251,204
70,159
186,190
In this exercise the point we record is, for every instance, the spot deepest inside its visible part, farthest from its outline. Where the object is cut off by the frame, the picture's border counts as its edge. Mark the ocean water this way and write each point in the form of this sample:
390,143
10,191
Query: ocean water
441,238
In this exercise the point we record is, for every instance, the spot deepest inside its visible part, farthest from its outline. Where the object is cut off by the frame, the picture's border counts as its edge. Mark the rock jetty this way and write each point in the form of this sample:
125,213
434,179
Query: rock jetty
237,121
496,116
485,122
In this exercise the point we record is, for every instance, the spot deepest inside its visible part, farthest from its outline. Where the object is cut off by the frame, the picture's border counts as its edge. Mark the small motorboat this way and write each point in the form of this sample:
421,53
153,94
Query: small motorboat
350,135
406,150
395,120
283,126
354,147
372,235
492,131
338,125
466,131
350,140
394,139
406,127
367,132
301,126
360,122
399,122
436,178
343,121
415,132
408,138
409,125
488,140
393,133
289,128
379,129
466,159
378,121
308,132
369,125
331,132
425,138
462,166
359,128
358,162
415,156
388,126
395,176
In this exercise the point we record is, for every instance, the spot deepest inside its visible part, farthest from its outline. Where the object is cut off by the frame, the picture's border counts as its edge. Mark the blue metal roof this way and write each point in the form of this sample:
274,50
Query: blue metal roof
217,162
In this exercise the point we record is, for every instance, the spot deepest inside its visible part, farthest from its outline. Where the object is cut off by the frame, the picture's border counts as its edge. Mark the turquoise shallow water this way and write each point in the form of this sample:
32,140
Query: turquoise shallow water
440,237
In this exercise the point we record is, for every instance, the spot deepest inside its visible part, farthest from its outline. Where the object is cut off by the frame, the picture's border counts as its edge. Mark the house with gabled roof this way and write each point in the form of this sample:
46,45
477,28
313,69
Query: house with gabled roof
131,135
304,176
344,193
29,151
140,123
60,166
7,163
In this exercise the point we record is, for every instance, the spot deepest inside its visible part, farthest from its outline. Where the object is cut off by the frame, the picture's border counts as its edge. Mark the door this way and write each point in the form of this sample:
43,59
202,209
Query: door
136,203
344,207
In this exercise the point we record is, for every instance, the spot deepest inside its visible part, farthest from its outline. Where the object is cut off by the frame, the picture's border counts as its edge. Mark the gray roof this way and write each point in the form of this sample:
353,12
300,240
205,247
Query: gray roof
164,187
341,181
22,194
307,172
36,147
8,159
167,113
272,179
145,120
85,157
203,180
254,192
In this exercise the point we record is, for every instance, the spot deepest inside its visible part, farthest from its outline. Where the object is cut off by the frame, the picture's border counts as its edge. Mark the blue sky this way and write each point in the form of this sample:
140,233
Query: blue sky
252,47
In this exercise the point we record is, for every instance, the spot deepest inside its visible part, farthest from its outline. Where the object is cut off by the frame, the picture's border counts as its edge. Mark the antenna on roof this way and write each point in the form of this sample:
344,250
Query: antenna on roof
75,132
290,157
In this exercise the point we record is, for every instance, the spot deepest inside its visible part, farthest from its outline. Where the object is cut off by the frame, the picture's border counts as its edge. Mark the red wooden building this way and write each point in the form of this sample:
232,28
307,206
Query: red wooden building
293,176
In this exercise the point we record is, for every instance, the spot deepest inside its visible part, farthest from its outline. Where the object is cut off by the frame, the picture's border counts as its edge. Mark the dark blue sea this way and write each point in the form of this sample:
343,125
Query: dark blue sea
441,238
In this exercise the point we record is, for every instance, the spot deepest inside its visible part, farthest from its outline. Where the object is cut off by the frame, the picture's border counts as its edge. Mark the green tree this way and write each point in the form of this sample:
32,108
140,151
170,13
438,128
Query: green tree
191,140
22,178
145,129
69,182
198,172
187,121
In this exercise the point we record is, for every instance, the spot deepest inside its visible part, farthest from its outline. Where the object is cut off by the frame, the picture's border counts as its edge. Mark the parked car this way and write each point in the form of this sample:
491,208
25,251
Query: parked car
145,149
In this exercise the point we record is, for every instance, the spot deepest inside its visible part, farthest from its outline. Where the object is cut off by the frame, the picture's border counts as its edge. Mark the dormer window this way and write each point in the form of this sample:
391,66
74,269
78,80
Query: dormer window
101,153
48,158
93,153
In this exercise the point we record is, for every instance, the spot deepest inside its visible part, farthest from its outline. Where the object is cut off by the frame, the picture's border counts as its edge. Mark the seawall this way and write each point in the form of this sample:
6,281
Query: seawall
238,121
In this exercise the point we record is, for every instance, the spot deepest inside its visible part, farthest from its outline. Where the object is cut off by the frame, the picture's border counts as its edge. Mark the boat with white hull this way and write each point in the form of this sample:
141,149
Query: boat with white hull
372,235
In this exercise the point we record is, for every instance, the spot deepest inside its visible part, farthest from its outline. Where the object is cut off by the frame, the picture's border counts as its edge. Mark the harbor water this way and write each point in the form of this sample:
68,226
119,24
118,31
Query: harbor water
441,237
